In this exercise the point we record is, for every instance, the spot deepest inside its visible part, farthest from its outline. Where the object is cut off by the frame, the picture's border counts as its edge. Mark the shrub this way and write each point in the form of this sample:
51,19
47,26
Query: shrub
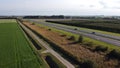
113,55
71,38
87,64
62,35
101,48
80,39
88,43
49,29
32,23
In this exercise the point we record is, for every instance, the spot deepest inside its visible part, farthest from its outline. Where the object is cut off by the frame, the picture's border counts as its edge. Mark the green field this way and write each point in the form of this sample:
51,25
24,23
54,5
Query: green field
15,50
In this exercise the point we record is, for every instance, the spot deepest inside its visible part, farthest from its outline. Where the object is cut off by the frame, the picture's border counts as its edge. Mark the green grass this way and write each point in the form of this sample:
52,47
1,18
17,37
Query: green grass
86,39
97,42
15,50
38,52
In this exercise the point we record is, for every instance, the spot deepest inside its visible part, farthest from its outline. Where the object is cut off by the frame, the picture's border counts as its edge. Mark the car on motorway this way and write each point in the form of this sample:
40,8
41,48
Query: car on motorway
93,32
75,28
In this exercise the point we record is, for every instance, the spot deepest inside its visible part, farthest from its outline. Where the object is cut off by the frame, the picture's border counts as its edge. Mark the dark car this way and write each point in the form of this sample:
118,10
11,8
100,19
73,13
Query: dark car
75,28
93,32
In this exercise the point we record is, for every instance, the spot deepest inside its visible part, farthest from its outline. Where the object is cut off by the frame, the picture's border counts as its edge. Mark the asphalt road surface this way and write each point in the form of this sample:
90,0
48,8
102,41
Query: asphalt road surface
85,31
47,46
98,36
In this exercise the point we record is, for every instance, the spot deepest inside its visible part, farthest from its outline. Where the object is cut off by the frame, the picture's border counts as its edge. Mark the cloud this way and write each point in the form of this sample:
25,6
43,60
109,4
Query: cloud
76,7
103,4
110,4
91,6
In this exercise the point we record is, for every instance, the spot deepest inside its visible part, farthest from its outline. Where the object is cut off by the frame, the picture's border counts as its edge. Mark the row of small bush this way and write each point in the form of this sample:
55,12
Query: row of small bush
98,48
101,48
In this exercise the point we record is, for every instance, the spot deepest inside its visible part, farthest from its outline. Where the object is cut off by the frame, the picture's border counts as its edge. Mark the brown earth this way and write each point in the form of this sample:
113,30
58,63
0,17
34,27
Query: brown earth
80,52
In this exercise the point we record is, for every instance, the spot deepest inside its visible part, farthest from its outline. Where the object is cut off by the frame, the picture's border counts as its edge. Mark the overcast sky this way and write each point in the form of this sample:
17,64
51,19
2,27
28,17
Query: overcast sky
60,7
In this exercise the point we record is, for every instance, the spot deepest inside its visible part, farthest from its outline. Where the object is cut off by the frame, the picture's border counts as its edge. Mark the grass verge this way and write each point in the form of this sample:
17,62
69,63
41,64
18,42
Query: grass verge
41,60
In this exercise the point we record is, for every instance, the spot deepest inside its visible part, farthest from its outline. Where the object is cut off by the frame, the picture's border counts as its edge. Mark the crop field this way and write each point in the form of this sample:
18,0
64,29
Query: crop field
15,50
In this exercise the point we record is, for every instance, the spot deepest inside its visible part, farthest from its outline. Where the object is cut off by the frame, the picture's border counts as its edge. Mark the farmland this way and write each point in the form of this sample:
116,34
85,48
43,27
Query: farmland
85,53
15,50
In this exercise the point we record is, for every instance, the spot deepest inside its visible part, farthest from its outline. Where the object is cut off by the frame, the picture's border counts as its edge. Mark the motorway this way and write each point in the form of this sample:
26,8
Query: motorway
98,36
47,46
